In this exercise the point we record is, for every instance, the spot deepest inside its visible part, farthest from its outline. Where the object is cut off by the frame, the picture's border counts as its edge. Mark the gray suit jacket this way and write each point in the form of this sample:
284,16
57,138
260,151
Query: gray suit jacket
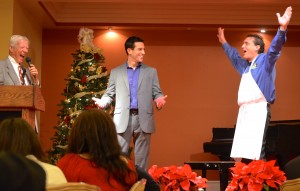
8,76
148,90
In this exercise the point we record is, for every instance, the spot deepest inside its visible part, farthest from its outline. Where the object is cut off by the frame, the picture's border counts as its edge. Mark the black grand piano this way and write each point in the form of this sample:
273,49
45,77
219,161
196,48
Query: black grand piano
282,141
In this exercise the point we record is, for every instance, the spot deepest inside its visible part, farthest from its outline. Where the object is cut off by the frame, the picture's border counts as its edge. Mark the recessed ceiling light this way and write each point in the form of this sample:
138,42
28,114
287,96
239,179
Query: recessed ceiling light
262,30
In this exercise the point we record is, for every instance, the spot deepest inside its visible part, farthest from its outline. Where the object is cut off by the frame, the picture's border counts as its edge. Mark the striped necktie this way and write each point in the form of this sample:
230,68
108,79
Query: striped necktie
21,75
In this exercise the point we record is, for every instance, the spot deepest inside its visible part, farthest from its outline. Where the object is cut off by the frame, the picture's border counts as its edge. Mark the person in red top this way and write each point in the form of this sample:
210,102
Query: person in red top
94,155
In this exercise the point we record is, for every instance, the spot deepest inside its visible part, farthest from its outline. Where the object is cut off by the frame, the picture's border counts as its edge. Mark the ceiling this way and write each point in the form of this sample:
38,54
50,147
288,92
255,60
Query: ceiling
176,14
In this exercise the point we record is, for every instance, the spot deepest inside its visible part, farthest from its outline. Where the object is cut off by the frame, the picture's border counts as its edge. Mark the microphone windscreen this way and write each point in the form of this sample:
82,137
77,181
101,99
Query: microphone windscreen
28,59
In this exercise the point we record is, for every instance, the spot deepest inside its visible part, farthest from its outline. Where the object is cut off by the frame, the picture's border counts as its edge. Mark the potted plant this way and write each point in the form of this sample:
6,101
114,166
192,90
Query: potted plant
258,175
173,178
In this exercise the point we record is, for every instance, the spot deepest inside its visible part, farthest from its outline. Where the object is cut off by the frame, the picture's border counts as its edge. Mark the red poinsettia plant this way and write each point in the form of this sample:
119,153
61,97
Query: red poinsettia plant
258,175
175,178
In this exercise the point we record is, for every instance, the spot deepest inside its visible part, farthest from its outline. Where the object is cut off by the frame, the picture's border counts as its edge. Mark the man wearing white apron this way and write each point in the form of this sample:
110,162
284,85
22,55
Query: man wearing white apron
256,90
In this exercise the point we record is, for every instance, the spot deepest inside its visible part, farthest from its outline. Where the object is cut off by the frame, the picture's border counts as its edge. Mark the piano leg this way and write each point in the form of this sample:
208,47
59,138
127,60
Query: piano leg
221,166
224,172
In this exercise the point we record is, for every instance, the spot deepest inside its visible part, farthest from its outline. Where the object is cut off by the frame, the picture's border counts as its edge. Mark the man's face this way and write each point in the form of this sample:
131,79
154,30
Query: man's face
19,51
137,54
250,50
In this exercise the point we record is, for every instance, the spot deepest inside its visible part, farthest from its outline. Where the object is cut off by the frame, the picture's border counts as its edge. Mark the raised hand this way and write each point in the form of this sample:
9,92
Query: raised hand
285,18
221,35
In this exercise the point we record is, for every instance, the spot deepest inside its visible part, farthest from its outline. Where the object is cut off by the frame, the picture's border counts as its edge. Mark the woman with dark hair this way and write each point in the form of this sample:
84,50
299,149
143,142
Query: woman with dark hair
94,154
17,136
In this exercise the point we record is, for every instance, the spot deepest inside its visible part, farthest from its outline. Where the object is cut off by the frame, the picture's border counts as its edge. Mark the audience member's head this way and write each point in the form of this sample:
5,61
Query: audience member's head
16,135
94,133
19,173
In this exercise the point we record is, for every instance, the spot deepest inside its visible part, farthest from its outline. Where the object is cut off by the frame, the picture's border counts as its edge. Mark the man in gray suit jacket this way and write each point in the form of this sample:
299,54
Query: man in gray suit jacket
9,74
134,85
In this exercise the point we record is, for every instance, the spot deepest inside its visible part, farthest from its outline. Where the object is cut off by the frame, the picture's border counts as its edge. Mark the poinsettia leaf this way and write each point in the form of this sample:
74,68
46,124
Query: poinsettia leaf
152,169
188,172
230,188
271,183
185,184
199,181
270,163
264,176
256,167
254,186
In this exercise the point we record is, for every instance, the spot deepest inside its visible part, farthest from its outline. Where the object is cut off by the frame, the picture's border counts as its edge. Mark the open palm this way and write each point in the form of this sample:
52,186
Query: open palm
285,18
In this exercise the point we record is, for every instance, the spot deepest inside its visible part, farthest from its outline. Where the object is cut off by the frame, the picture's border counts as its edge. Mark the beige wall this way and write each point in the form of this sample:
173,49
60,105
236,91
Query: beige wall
16,20
195,74
25,24
6,20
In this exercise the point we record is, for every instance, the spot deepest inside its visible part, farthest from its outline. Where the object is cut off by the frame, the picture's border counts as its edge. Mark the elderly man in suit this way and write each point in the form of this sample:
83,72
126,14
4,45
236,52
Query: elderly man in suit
134,86
12,71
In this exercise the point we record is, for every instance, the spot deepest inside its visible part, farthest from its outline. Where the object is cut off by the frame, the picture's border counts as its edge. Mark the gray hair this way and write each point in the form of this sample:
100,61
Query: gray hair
14,39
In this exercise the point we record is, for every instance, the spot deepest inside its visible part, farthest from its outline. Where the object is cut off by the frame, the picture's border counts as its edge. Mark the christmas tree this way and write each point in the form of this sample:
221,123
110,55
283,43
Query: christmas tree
88,78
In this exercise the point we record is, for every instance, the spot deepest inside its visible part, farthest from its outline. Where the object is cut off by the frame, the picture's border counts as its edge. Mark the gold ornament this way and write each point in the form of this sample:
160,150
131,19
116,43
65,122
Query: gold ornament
92,68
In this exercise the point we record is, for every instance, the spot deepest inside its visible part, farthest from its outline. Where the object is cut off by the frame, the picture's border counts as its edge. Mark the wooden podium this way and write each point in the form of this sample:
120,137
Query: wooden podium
23,100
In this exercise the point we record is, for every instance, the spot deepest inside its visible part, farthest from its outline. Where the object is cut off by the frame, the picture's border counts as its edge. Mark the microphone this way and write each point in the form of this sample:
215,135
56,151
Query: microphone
28,60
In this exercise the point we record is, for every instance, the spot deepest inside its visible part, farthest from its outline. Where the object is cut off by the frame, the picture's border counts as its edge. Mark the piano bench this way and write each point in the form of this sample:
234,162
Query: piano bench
221,166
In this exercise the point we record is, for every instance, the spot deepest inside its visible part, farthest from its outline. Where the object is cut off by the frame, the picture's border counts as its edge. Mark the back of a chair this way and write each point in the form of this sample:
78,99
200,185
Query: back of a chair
139,185
73,186
292,168
291,185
